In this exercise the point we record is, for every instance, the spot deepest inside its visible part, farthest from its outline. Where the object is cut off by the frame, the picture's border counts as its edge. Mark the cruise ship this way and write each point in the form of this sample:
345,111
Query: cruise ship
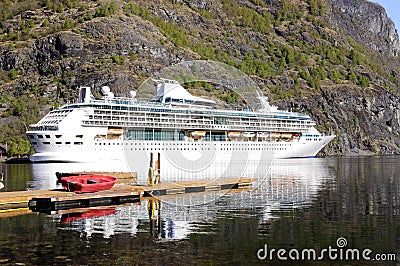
182,132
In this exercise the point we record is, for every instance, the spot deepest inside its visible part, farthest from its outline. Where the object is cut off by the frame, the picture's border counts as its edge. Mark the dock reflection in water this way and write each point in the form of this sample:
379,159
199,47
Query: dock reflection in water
289,184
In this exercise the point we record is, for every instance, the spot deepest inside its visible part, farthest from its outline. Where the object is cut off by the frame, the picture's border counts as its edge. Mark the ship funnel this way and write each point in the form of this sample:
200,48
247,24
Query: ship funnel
160,89
84,94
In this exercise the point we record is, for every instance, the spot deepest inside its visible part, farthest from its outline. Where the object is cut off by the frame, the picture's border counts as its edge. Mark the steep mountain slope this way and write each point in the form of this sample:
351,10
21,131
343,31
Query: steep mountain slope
307,55
366,23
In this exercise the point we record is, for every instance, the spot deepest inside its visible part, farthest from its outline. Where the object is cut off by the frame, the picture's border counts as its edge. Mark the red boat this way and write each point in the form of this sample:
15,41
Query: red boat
69,217
87,183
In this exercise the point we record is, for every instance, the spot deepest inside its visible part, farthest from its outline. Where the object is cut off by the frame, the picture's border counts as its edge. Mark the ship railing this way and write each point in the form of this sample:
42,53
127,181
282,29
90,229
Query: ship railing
232,113
126,101
188,125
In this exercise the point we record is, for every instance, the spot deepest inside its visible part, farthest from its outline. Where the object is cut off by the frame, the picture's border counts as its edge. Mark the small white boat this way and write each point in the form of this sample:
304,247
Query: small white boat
248,134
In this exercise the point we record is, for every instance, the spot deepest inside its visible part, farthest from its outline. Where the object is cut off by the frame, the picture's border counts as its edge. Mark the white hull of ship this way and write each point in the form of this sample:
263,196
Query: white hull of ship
186,160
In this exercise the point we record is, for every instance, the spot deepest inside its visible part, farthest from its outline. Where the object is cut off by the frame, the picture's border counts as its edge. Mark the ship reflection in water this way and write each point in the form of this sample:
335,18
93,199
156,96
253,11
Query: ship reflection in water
290,184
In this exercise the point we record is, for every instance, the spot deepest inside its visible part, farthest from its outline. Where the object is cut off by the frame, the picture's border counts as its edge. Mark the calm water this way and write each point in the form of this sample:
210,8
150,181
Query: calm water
301,204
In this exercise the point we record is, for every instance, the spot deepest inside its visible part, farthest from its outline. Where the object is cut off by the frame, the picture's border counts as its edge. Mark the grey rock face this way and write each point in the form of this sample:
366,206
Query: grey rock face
365,121
367,23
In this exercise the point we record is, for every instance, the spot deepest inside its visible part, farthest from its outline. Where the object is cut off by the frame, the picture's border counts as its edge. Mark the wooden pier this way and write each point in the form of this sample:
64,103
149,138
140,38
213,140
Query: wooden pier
122,193
194,186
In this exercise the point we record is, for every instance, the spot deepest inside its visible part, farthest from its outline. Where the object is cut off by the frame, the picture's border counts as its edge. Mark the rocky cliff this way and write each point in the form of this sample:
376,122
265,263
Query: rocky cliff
324,58
367,23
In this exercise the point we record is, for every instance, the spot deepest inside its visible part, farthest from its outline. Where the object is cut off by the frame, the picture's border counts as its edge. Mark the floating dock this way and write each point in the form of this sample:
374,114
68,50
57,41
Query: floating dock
122,193
84,200
194,186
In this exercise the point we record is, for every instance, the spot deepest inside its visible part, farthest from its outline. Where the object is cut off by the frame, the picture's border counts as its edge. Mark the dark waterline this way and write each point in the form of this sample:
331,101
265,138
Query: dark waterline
301,204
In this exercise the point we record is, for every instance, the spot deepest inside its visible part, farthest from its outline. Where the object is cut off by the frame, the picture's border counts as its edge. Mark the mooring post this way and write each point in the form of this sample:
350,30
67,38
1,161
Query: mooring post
151,171
158,163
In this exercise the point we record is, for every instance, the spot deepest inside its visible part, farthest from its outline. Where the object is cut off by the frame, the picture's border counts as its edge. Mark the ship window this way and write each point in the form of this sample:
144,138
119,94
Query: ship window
58,136
67,142
79,136
78,143
47,136
58,143
46,143
34,143
31,136
40,136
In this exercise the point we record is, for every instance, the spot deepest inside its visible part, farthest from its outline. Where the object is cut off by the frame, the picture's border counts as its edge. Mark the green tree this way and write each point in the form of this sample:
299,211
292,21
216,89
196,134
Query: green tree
13,74
352,76
335,76
363,81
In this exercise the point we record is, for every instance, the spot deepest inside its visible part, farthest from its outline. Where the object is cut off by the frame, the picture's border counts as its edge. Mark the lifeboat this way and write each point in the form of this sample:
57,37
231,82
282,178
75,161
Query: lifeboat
115,131
276,135
234,134
263,134
286,135
248,134
198,133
